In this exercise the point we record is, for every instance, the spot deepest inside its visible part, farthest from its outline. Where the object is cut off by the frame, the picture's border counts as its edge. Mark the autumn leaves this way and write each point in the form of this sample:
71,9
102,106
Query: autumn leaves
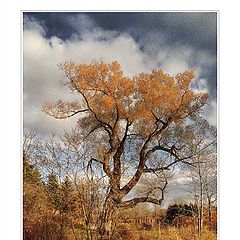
111,96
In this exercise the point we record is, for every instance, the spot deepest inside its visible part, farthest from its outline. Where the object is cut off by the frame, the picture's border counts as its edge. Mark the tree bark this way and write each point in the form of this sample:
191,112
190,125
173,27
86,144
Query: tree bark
106,221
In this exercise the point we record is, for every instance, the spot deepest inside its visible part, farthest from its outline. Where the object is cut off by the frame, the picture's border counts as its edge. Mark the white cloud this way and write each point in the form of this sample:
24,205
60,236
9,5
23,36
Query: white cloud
174,60
211,112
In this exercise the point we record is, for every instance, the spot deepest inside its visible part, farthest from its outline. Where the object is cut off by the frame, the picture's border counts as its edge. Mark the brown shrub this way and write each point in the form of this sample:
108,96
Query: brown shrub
125,231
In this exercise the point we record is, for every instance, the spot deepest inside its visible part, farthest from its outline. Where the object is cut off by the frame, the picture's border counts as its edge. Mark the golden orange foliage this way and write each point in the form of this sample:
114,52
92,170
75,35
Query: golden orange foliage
111,96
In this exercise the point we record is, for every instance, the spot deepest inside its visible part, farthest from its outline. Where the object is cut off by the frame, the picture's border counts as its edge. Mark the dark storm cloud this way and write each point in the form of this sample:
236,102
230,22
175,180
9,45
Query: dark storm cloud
55,23
197,29
194,28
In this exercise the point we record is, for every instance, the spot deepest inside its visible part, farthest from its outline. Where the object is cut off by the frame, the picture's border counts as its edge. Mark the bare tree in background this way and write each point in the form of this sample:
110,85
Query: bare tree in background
202,173
65,157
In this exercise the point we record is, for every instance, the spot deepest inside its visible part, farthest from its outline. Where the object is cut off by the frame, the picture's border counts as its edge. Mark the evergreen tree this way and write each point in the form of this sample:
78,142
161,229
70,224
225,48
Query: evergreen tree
67,195
176,210
53,189
30,172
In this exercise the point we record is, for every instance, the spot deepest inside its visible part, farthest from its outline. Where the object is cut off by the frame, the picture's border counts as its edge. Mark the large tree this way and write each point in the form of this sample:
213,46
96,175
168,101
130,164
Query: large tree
144,122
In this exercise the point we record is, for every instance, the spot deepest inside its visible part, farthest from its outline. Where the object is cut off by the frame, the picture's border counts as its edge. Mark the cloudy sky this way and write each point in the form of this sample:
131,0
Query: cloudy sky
140,41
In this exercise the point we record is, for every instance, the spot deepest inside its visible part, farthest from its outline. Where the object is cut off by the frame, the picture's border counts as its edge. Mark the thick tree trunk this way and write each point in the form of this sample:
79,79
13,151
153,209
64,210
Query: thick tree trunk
107,219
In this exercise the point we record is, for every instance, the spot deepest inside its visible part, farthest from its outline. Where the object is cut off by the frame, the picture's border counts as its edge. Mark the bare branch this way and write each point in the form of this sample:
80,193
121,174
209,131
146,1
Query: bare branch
133,202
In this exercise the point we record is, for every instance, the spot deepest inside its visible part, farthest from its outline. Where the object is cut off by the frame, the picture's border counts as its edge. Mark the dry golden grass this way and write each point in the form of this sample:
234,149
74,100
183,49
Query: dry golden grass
130,232
168,233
